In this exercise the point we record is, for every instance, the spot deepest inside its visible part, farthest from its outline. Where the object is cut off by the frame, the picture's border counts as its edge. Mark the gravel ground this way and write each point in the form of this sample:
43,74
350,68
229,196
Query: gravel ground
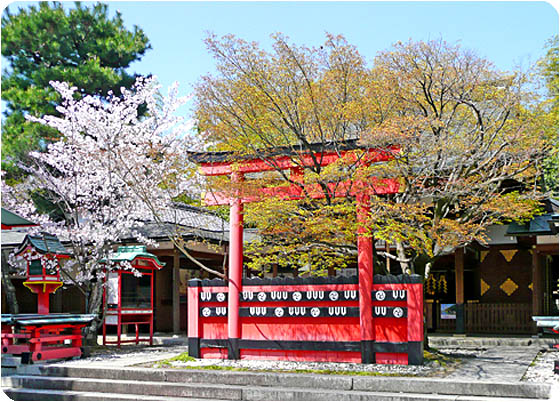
429,369
128,355
542,368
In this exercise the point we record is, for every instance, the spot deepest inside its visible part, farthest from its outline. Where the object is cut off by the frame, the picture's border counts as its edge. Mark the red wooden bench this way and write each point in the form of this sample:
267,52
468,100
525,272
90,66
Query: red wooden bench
38,337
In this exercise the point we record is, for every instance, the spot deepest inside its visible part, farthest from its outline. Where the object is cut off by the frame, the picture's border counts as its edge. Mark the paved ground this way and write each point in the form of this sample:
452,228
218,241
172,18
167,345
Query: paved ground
499,363
500,359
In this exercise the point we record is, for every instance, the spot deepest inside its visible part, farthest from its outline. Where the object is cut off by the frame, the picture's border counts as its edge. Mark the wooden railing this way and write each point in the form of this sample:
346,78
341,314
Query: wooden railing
513,318
480,318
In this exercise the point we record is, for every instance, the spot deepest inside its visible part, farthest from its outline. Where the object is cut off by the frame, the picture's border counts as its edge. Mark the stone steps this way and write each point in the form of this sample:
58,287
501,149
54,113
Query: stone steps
313,381
63,382
26,394
151,390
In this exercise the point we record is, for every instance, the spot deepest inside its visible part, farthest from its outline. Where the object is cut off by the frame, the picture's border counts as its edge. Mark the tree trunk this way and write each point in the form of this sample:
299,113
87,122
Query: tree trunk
427,270
94,299
9,290
401,254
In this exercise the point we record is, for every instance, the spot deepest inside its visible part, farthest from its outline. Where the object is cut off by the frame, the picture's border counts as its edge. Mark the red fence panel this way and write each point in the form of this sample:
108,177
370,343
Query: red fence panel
308,319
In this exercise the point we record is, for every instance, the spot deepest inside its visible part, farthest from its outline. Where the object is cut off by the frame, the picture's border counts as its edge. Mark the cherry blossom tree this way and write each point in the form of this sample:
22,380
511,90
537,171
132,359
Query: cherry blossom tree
111,171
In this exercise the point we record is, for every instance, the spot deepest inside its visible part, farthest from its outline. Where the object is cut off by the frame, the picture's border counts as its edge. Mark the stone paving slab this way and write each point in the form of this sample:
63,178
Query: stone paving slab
463,341
499,363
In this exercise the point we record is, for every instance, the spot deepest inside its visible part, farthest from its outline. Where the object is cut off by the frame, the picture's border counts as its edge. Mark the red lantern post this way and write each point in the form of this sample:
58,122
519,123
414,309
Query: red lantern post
43,254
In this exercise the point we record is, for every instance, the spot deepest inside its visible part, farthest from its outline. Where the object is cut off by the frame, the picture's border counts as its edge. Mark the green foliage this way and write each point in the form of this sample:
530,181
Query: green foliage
82,46
466,147
439,359
548,72
548,67
183,357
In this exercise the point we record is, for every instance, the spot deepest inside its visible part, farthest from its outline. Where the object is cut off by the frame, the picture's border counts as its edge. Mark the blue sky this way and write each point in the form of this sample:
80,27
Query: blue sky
507,33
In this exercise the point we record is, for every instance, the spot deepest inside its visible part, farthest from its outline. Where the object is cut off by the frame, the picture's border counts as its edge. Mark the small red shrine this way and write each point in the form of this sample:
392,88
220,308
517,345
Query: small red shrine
128,296
363,320
43,254
43,336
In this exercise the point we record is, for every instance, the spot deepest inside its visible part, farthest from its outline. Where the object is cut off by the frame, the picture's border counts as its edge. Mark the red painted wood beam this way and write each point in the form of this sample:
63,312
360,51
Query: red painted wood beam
365,277
294,192
235,271
287,162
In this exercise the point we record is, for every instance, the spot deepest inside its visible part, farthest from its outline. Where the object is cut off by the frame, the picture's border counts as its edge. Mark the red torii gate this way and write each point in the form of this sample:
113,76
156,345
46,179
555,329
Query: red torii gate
222,163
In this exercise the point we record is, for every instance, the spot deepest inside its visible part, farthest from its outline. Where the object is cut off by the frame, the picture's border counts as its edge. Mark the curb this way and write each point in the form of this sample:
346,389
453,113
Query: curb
323,382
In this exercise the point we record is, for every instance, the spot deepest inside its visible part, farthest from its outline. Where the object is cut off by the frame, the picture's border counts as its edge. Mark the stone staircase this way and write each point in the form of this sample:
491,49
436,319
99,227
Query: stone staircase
60,382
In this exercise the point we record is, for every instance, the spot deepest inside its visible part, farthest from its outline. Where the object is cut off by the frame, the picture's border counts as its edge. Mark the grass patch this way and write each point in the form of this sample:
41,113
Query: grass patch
183,357
438,358
166,363
534,361
431,356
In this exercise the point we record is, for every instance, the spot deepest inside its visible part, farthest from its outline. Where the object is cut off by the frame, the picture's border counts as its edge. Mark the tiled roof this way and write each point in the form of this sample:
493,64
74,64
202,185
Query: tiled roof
11,219
194,217
129,253
43,244
539,225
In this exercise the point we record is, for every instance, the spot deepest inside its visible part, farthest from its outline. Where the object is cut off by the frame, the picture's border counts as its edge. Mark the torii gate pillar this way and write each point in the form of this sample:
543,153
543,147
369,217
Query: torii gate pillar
235,271
365,279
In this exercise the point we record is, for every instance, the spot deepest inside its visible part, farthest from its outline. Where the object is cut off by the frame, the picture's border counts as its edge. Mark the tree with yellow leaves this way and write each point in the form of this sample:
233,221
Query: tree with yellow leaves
464,147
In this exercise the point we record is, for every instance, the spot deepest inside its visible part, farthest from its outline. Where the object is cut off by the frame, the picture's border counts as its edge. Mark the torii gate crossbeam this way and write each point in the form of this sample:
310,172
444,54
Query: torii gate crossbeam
214,164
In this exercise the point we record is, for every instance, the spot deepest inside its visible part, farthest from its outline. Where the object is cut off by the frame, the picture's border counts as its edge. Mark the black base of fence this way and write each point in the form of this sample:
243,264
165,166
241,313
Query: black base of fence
416,353
233,349
194,347
368,351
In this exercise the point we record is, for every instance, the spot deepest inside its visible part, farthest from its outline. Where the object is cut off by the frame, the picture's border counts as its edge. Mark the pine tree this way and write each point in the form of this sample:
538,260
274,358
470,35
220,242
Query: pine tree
82,46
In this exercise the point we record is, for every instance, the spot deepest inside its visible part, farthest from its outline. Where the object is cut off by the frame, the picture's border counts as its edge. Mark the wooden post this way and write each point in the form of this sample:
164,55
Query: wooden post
193,324
387,259
460,290
537,299
365,280
43,302
176,294
235,271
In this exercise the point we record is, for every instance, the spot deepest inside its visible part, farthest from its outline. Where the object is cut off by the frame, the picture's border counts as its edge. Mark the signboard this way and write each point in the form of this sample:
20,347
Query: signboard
448,311
113,288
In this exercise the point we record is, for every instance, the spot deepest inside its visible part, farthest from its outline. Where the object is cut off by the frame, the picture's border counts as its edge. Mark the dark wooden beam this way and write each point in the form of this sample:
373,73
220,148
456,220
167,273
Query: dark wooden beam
176,295
460,290
537,282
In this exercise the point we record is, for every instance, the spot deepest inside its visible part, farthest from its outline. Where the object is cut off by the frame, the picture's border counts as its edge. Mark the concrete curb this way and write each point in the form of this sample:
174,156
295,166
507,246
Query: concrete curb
485,342
162,390
146,388
451,387
322,382
23,394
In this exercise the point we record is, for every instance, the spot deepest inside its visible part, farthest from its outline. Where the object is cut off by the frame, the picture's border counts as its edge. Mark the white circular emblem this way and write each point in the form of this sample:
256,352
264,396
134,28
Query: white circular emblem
296,296
380,295
398,312
333,295
315,311
221,297
206,312
279,311
261,296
